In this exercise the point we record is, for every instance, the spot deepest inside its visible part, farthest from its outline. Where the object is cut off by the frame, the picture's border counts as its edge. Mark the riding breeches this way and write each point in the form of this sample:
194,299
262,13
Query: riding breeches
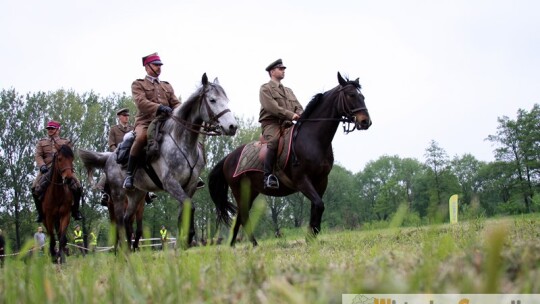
140,140
270,134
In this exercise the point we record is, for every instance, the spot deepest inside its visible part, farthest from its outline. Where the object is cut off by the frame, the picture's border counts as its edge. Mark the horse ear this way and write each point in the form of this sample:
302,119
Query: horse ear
204,79
357,80
216,81
341,80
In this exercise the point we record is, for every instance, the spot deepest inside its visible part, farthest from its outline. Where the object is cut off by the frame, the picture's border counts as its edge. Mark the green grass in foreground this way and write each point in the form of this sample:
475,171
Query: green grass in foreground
492,256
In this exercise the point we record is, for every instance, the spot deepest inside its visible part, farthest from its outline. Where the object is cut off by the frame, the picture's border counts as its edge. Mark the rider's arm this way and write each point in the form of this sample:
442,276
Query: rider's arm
39,155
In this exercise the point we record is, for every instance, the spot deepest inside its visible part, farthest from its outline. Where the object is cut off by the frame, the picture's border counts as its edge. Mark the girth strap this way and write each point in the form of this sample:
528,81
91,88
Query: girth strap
153,175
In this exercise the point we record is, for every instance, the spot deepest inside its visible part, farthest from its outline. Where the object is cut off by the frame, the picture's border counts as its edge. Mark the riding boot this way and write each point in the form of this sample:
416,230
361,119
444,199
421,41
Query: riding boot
132,166
39,208
270,180
75,213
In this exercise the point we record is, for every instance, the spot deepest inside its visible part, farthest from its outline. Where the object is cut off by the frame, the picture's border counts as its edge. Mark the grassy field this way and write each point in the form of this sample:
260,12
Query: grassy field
481,256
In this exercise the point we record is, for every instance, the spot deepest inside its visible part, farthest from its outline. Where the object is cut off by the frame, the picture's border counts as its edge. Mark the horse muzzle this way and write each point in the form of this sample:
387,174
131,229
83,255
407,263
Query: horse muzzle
362,120
67,180
230,130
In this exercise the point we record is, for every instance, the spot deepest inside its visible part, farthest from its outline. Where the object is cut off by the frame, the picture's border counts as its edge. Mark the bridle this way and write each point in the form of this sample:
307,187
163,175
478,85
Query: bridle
60,171
347,114
209,128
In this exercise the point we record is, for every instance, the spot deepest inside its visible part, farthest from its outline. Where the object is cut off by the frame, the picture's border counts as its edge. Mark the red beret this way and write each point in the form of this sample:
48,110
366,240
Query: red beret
53,124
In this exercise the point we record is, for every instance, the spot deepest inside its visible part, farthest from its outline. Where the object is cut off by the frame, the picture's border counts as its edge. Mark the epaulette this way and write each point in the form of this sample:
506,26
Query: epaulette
140,79
45,138
164,81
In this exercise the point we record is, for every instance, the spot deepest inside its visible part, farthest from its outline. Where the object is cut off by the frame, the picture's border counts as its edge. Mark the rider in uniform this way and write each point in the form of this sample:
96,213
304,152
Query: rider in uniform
279,107
116,136
45,150
152,97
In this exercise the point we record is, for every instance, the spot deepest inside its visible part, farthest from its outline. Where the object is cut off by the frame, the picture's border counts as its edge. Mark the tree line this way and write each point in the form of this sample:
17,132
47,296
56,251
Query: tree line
508,185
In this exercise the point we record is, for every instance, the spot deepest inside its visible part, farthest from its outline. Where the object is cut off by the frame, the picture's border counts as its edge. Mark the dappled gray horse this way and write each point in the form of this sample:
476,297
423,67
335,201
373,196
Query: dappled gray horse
180,160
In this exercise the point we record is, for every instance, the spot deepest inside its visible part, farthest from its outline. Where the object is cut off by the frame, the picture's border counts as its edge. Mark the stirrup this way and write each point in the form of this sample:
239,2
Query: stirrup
271,182
128,183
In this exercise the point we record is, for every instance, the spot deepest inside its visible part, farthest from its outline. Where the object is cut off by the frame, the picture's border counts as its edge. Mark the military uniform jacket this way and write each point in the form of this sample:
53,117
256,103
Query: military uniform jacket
148,95
116,135
278,103
46,147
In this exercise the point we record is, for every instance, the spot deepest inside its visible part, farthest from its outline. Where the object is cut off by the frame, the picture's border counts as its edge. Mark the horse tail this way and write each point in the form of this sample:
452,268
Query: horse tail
219,190
93,160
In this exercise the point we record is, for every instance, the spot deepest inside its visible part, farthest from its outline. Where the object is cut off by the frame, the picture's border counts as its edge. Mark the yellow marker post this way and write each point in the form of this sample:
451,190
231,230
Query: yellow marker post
453,205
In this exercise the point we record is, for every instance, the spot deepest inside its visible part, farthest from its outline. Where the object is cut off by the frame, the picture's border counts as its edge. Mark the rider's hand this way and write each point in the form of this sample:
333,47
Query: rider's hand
43,169
164,109
295,117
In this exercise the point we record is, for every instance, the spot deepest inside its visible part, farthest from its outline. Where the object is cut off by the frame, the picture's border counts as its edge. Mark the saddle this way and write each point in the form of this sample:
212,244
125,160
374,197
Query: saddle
254,153
122,152
154,139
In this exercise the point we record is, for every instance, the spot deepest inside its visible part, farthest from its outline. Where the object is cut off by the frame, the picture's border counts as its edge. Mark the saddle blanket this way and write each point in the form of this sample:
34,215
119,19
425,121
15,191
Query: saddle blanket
252,158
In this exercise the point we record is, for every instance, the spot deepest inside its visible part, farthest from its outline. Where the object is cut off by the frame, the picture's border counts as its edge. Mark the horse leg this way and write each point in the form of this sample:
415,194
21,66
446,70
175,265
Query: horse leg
184,241
62,249
62,239
134,199
117,219
175,190
235,229
244,199
317,205
138,231
191,234
52,245
251,233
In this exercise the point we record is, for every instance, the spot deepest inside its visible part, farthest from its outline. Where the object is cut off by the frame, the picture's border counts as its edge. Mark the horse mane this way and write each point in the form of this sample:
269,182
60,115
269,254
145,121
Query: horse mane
317,99
186,106
312,105
184,110
66,151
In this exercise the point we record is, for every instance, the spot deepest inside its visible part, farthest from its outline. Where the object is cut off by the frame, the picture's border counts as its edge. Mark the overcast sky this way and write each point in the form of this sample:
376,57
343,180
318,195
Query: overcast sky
430,70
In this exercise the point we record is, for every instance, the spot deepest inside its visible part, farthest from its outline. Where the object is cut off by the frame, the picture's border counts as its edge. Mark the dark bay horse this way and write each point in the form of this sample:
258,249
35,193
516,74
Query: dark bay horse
57,201
180,159
312,159
138,218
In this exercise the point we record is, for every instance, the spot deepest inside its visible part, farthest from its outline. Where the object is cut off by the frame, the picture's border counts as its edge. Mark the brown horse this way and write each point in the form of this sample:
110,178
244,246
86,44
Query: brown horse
137,217
307,171
57,201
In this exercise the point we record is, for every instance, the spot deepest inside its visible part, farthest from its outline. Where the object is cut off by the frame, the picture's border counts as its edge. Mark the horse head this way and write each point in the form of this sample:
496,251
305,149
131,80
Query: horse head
63,163
214,108
351,102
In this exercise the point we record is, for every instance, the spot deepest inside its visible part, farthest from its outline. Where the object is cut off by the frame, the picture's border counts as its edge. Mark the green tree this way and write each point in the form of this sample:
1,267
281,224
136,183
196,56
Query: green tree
17,145
466,169
518,144
442,182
